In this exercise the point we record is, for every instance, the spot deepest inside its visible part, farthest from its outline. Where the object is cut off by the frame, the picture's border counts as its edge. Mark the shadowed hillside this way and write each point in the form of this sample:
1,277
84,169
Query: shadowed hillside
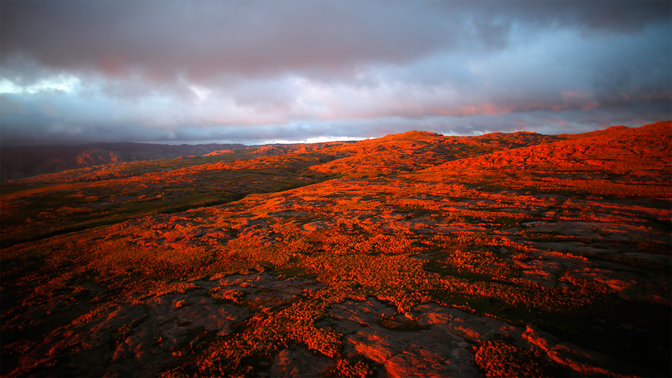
18,162
413,254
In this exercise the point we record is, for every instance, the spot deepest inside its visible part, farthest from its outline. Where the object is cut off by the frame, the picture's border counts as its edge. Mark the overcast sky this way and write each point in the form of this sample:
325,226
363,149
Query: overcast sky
261,71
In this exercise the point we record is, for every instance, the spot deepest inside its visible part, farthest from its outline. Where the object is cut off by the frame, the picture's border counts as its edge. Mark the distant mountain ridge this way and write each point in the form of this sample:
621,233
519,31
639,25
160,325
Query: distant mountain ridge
403,152
26,161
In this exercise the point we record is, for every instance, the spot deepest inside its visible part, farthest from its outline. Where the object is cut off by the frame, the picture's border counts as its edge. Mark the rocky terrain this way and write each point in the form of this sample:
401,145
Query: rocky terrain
414,254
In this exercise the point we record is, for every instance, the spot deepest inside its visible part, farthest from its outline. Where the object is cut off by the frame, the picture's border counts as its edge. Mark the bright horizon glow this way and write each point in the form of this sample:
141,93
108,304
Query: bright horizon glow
62,83
320,139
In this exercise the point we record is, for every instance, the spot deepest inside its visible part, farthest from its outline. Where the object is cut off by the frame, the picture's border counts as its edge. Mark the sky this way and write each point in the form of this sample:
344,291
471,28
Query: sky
258,72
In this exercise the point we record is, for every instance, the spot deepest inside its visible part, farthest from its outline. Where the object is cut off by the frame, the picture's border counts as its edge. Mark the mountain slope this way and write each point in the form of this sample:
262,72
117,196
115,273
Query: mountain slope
616,161
417,150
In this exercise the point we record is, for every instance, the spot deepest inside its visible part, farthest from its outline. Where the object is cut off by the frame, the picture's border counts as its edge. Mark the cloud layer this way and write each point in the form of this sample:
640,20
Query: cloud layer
260,71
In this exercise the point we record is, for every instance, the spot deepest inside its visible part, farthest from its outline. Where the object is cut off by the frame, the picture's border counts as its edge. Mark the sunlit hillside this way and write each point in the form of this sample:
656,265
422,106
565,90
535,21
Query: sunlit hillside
415,254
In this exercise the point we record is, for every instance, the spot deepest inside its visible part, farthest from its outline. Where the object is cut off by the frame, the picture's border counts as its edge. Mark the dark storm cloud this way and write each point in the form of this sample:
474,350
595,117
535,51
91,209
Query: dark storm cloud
205,39
246,71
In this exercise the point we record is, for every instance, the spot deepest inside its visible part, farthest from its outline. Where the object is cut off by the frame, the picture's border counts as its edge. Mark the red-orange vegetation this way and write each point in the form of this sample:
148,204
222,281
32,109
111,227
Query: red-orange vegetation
383,256
497,358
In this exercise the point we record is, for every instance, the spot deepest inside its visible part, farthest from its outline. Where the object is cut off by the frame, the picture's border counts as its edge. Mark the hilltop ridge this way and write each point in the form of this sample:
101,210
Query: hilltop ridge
20,162
411,135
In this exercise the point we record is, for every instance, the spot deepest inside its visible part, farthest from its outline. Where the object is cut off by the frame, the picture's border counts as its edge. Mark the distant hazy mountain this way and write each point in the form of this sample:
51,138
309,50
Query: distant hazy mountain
18,162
